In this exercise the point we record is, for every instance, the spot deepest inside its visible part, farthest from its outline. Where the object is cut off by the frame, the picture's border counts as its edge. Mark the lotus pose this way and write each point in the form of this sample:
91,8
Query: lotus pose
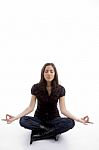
47,122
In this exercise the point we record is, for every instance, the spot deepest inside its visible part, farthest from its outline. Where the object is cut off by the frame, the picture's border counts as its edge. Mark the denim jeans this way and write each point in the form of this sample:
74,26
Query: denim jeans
60,124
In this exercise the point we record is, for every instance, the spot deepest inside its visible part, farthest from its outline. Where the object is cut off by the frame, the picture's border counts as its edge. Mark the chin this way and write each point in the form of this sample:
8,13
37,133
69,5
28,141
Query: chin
49,80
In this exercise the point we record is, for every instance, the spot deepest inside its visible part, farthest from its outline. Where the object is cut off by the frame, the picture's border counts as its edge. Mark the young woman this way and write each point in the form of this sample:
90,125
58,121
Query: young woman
47,122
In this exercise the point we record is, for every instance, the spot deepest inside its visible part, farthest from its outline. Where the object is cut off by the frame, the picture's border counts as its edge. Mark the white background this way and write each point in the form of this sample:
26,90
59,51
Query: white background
33,33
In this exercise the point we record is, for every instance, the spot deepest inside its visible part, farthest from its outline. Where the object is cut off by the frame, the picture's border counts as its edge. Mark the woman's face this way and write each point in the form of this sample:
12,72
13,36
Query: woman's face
49,73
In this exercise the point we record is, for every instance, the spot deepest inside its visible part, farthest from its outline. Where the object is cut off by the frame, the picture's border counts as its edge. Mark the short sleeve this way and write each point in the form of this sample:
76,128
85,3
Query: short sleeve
34,90
62,92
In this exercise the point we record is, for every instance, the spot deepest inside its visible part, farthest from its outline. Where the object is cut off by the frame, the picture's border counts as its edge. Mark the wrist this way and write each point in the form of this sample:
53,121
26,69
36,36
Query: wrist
77,119
15,118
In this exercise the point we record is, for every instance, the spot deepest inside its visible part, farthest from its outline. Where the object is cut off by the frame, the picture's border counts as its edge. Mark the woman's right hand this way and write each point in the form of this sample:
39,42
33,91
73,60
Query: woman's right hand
9,118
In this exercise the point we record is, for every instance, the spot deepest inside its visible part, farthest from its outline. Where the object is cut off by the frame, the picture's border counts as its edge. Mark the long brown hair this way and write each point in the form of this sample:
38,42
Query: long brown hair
55,81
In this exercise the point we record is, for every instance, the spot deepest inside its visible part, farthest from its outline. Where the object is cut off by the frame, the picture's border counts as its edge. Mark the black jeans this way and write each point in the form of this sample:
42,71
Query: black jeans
60,124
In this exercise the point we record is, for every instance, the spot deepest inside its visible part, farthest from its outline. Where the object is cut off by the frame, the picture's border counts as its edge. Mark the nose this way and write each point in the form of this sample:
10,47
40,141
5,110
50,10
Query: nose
48,73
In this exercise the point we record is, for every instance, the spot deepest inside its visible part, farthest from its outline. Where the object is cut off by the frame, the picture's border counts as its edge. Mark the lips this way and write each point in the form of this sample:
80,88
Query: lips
49,78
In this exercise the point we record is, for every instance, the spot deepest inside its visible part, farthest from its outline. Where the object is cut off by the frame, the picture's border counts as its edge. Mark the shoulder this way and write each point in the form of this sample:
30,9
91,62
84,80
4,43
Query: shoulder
35,85
61,87
34,88
62,90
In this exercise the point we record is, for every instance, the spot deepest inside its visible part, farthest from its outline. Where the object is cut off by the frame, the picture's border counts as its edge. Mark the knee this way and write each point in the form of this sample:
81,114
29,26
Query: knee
65,125
71,123
22,121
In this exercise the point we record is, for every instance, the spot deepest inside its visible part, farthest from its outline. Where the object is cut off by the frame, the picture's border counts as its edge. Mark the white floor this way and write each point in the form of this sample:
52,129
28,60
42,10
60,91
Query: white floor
81,137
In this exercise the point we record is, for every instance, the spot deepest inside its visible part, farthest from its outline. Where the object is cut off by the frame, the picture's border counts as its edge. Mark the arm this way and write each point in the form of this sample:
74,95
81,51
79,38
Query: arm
28,110
65,112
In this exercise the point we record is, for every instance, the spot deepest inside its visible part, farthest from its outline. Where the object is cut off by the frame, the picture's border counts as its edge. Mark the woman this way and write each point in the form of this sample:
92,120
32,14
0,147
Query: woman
47,122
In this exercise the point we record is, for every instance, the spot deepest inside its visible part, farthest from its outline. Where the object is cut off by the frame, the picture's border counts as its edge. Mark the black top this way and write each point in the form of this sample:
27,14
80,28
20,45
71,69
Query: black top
47,105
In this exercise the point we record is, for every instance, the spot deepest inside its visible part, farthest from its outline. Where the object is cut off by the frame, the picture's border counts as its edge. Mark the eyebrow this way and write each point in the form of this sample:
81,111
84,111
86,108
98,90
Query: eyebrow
49,69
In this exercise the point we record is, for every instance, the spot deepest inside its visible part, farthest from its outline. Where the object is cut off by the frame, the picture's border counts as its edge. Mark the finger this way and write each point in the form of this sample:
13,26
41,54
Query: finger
86,117
7,115
90,122
3,119
85,123
85,120
10,116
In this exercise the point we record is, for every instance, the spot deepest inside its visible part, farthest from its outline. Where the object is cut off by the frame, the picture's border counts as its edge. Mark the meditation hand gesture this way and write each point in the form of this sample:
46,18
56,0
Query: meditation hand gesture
85,120
9,118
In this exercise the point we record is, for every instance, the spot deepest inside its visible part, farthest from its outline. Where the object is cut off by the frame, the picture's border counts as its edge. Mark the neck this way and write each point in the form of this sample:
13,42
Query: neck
48,84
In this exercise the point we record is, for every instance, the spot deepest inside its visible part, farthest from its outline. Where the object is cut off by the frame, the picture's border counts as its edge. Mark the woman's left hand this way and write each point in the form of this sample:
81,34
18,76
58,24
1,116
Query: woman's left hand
85,120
